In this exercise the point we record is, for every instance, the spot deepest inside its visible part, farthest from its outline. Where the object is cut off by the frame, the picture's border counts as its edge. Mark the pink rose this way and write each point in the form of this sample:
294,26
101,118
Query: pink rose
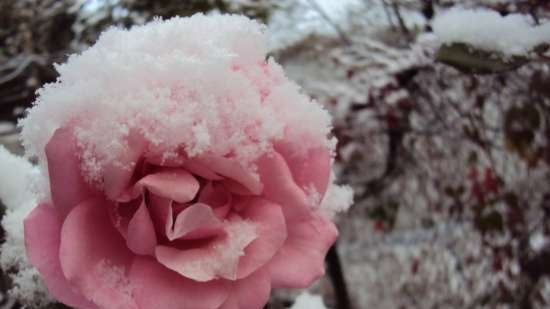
185,172
191,233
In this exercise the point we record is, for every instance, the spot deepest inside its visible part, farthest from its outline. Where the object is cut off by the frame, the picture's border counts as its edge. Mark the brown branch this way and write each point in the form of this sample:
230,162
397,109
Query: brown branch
400,20
336,275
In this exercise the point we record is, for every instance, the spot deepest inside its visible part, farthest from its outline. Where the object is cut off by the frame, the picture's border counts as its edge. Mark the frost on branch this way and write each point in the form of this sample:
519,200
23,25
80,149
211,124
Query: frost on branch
450,170
511,35
483,41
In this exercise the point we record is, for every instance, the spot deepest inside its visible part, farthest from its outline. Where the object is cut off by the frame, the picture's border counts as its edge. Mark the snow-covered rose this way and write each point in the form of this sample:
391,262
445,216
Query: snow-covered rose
185,172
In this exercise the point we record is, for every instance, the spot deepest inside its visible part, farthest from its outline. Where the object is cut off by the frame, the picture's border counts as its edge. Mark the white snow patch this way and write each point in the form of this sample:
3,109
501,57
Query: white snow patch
313,196
537,241
14,179
308,301
487,30
338,198
17,177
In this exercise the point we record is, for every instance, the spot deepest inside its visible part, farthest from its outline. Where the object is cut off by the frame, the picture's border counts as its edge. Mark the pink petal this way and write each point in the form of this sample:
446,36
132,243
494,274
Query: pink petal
271,231
158,287
196,168
217,197
234,170
251,292
214,194
236,187
117,178
67,185
122,213
42,237
94,256
309,169
160,209
279,187
174,184
195,222
217,259
300,262
141,238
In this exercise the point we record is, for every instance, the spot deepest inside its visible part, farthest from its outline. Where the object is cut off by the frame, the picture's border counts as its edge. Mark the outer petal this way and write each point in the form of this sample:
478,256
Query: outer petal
67,185
141,238
122,213
309,169
279,187
251,292
271,235
94,256
158,287
301,259
42,233
117,178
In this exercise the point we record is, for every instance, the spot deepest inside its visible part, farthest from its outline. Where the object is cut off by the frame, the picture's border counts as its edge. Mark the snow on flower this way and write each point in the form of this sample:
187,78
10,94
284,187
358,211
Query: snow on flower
511,35
185,171
181,83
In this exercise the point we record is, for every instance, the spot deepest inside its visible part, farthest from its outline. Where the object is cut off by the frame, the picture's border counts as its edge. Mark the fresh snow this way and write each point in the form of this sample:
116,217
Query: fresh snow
308,301
181,84
20,198
511,35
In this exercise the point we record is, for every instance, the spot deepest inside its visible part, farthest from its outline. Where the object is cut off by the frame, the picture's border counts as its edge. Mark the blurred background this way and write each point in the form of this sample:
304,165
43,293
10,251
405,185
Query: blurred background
451,170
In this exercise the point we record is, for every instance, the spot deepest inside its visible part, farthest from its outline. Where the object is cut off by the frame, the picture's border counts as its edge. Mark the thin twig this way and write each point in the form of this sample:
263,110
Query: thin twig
402,25
13,75
388,15
320,11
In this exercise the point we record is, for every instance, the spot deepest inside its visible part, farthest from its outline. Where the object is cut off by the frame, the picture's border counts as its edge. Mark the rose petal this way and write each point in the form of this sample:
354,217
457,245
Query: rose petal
251,292
160,209
195,222
279,187
217,197
271,231
232,169
67,185
117,178
196,168
157,287
94,256
301,259
218,259
309,169
141,238
42,238
235,187
175,184
122,213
